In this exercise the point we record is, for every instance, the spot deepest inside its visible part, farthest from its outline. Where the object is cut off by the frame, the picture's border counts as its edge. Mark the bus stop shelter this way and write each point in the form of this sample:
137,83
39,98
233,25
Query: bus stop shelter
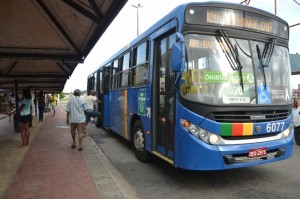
42,41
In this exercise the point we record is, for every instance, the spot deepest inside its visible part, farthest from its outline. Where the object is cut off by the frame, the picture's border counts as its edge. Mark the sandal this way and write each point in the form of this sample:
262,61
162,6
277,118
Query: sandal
80,149
73,146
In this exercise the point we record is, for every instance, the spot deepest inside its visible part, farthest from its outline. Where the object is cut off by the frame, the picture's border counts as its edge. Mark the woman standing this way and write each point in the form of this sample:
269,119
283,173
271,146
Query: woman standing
41,105
25,117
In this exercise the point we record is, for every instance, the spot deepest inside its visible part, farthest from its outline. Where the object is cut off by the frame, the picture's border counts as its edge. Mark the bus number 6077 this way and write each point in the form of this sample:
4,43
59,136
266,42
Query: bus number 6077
275,127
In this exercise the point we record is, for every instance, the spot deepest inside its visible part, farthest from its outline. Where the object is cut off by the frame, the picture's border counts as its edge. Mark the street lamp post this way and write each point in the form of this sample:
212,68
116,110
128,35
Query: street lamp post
275,7
137,17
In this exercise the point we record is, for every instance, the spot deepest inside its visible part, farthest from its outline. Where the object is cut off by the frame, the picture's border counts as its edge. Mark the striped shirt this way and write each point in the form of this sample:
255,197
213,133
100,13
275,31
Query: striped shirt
76,108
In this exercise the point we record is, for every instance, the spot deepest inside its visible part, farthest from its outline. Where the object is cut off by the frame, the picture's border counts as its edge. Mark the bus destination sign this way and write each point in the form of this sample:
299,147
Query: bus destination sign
237,20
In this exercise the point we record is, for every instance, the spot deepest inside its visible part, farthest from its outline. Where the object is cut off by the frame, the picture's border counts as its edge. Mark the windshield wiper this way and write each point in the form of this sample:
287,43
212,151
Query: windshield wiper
265,57
231,54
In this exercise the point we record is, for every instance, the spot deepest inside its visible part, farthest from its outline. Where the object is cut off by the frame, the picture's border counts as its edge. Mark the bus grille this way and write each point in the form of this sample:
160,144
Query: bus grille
250,116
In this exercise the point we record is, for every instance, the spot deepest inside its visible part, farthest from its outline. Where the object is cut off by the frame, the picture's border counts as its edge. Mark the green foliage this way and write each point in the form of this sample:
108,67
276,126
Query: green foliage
61,95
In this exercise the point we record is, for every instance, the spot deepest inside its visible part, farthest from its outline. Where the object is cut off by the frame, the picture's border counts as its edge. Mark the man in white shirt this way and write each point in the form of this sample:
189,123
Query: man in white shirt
89,105
76,118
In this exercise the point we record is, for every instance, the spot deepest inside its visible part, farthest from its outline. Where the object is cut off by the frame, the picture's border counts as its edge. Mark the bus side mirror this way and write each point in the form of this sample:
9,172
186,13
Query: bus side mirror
178,54
176,57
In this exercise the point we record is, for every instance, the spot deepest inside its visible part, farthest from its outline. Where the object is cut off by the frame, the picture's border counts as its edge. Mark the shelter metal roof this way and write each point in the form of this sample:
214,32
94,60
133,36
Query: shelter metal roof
42,41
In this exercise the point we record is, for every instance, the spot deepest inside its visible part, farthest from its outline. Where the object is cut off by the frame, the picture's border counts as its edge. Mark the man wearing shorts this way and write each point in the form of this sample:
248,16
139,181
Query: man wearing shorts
76,118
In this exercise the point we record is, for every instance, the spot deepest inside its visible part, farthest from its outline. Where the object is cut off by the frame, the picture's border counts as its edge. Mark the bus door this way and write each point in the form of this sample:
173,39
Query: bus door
105,95
99,95
163,96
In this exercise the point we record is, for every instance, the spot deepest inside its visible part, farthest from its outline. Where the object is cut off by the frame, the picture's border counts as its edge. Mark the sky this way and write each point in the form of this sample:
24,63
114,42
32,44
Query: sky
124,29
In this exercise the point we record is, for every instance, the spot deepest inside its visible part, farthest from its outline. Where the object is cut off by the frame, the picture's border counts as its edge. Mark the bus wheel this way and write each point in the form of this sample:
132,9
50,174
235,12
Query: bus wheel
297,135
139,142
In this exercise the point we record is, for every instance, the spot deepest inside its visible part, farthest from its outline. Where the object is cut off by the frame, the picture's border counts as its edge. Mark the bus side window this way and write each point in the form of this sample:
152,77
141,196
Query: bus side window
106,81
125,71
114,74
140,68
95,81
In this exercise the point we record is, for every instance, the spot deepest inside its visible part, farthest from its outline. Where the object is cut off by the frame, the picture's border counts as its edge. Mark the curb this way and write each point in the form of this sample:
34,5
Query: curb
109,182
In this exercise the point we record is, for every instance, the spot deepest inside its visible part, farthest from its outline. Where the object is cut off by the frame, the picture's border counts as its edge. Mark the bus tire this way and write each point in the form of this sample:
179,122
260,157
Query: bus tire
297,135
139,144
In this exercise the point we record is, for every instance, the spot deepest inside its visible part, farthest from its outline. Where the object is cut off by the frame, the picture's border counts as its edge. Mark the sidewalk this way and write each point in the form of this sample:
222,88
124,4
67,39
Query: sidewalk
3,115
50,169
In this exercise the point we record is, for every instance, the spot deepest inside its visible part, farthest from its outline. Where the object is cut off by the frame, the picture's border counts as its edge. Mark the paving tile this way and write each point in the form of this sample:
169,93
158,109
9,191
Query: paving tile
51,169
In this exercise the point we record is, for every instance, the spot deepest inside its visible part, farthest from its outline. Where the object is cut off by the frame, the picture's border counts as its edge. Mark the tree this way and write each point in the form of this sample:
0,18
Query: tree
61,95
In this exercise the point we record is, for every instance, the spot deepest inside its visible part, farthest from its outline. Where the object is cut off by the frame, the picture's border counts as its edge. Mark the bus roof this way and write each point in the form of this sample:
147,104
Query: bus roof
179,10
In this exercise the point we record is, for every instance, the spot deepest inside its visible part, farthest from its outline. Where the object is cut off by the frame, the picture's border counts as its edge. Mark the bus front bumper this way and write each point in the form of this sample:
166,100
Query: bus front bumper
193,154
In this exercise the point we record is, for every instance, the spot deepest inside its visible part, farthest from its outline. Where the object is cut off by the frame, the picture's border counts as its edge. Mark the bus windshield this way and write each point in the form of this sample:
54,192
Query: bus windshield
210,77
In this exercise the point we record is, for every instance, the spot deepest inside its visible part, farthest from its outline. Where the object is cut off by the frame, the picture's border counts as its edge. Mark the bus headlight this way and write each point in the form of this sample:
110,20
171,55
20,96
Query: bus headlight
193,129
287,131
213,139
202,134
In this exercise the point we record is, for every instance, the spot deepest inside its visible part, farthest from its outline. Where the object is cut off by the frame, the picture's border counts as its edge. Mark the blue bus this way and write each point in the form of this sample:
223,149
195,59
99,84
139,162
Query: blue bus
207,87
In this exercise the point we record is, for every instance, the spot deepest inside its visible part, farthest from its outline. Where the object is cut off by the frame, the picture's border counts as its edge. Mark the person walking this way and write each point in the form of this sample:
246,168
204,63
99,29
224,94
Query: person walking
89,104
53,103
76,118
41,105
10,111
25,117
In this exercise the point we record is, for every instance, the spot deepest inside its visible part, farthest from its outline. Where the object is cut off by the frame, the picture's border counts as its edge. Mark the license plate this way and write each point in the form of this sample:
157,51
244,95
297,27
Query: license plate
258,152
